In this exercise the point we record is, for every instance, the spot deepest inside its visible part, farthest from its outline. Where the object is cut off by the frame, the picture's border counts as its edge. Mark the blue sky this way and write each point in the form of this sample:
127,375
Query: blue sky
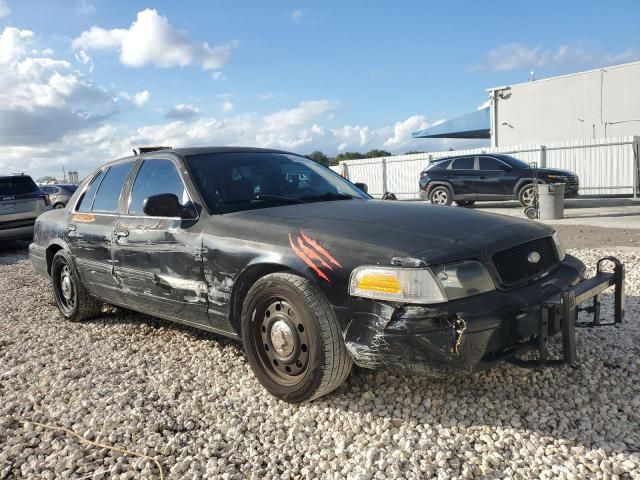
83,81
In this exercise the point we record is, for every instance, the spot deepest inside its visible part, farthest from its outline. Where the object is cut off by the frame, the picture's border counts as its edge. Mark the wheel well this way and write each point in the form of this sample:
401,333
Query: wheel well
434,185
242,285
51,251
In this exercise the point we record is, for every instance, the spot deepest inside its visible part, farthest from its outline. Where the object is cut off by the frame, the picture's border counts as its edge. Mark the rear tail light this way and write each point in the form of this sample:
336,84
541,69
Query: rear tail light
47,200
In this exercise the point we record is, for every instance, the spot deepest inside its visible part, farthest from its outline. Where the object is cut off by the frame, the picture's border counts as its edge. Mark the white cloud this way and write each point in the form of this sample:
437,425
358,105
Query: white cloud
183,112
151,40
4,9
85,7
227,106
13,43
266,96
515,56
141,98
296,16
43,98
84,58
218,76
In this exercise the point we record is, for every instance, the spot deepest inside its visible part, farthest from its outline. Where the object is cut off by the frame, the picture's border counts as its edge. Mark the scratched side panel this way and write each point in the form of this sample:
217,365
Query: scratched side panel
159,267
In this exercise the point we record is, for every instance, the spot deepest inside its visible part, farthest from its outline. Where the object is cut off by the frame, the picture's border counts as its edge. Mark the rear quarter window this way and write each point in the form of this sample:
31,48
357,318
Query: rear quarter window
108,194
18,185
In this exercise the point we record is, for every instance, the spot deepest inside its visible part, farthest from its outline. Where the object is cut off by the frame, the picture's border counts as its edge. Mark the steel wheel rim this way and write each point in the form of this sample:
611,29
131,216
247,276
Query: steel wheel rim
280,340
440,197
66,292
527,196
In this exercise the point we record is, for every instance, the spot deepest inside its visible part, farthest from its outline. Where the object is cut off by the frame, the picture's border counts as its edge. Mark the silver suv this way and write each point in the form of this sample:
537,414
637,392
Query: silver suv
21,201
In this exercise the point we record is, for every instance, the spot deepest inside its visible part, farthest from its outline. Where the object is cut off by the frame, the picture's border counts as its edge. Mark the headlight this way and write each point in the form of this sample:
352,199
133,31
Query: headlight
556,177
421,285
407,285
463,279
559,246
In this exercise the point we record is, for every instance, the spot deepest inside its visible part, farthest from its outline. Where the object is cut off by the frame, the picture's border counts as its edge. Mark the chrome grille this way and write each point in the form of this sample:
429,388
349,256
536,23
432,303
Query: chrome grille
513,265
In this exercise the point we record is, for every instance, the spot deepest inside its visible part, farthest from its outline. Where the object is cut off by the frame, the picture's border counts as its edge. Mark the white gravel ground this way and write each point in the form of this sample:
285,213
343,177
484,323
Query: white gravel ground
189,399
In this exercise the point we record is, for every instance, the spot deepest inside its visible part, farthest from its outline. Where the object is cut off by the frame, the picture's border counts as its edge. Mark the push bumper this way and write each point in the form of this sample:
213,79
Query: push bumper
472,334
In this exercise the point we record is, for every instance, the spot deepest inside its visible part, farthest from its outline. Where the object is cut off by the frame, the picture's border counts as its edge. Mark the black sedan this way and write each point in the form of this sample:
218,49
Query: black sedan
470,178
307,270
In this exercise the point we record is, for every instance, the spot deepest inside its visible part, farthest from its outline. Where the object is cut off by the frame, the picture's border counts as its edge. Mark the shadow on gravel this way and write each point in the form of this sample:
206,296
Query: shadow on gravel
583,405
13,252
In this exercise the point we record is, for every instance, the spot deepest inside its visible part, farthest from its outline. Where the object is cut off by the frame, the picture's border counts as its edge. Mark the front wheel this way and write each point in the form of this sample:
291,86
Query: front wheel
292,338
72,298
440,196
526,195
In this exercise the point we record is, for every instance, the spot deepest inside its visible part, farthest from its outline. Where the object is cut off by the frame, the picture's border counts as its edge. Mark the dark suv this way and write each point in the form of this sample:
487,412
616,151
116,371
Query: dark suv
468,178
21,201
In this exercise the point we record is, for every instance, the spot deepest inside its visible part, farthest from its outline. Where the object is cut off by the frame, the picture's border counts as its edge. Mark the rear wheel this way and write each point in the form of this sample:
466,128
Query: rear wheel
72,298
465,203
526,195
440,195
292,339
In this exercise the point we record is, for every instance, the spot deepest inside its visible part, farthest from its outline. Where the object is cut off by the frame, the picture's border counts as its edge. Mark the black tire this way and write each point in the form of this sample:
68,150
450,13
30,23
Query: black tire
465,203
525,195
72,298
59,205
308,358
441,195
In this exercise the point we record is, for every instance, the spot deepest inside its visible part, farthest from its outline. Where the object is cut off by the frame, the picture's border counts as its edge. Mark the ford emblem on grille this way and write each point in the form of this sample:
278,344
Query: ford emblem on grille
533,257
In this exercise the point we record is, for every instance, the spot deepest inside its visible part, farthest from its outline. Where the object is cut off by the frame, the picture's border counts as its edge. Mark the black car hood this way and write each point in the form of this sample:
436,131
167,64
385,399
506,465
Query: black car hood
555,171
375,230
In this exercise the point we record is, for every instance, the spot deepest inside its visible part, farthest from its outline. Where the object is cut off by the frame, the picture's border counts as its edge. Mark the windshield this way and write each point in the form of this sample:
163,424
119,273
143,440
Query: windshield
229,182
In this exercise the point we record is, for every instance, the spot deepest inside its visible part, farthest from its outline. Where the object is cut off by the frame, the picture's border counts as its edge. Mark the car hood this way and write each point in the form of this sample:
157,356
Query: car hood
555,171
375,231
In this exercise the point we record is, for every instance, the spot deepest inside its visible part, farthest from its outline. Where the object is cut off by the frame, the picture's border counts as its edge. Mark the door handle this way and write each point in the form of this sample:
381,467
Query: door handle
121,233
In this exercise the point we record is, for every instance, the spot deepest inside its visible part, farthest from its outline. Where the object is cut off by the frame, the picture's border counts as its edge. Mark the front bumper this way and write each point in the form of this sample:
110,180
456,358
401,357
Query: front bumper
472,334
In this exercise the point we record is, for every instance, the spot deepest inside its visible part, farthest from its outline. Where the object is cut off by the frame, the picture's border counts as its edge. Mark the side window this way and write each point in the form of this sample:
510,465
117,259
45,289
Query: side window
440,165
86,201
464,163
108,195
488,163
153,178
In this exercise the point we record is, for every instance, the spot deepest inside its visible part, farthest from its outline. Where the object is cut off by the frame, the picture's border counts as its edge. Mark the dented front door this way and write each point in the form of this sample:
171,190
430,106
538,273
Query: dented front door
158,263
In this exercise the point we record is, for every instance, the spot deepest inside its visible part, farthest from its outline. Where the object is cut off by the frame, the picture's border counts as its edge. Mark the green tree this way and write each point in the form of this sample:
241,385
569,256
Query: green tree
320,157
350,156
377,153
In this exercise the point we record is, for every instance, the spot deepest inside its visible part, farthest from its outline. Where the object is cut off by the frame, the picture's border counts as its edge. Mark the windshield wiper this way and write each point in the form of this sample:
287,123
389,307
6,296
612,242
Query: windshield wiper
278,198
330,196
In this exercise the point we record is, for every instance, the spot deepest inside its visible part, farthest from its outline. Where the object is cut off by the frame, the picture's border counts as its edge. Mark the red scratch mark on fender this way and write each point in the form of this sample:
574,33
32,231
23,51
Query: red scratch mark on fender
307,260
319,248
313,254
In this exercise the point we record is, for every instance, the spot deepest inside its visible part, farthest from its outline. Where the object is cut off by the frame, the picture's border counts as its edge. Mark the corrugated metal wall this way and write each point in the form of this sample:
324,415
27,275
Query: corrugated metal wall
606,166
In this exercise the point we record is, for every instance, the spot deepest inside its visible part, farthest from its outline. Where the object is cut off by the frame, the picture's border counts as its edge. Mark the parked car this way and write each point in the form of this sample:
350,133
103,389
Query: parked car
21,201
309,271
59,193
469,178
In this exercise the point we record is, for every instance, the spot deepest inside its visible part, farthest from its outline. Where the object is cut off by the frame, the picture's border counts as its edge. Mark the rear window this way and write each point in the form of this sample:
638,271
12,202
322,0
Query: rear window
108,195
17,185
441,165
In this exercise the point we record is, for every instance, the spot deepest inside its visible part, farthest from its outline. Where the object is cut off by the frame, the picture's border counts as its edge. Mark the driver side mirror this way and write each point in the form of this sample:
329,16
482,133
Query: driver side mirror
362,186
164,205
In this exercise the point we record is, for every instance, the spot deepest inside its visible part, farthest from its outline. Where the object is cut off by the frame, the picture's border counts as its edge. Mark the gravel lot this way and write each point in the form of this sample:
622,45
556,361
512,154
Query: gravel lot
189,399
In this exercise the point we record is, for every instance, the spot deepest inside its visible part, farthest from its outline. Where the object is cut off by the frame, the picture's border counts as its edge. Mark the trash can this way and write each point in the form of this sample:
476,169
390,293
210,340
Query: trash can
550,201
